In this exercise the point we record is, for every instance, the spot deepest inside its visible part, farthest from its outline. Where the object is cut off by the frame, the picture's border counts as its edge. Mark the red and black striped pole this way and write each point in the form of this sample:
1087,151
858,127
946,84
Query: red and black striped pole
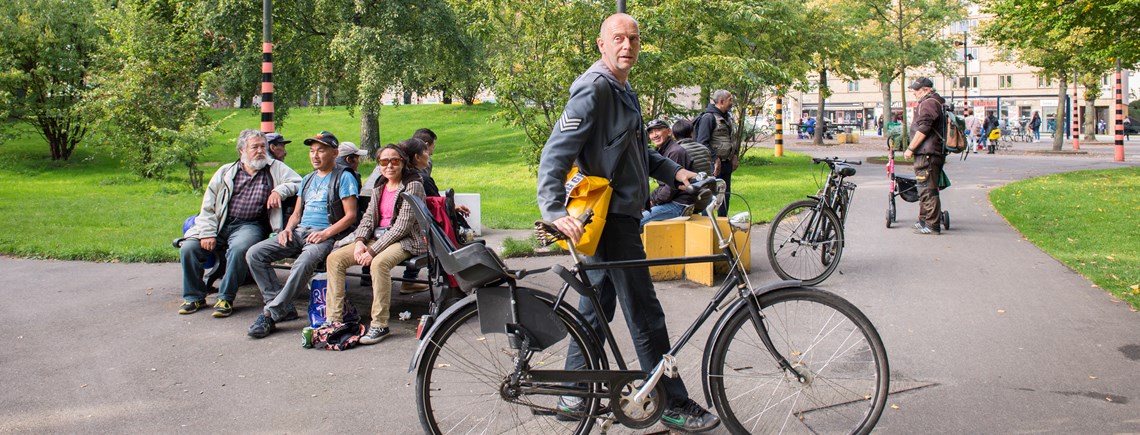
1076,119
778,150
267,67
1118,154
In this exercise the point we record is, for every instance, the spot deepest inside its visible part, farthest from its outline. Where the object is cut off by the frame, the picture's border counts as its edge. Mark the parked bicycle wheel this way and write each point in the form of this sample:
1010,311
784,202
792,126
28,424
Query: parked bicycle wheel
805,244
460,384
828,342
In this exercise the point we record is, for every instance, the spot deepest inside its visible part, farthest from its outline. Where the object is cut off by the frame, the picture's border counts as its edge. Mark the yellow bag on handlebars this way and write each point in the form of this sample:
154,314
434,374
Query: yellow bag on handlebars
587,192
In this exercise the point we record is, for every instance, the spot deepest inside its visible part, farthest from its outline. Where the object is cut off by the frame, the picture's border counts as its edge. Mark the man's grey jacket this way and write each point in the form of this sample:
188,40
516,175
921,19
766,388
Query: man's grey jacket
601,131
216,201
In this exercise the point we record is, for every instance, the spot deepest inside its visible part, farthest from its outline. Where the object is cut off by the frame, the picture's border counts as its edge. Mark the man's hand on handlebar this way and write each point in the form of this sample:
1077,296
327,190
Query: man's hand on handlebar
684,175
571,227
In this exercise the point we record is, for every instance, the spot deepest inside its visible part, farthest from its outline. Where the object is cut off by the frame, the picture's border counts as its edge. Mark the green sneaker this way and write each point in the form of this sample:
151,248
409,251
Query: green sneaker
191,307
223,308
689,417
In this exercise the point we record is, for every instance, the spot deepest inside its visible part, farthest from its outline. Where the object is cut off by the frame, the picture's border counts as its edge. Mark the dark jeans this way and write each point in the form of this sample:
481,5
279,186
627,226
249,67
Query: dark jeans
928,170
633,288
726,175
234,238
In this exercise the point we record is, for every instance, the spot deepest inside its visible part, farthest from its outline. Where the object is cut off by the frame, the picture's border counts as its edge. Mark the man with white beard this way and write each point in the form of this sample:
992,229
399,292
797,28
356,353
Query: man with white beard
242,203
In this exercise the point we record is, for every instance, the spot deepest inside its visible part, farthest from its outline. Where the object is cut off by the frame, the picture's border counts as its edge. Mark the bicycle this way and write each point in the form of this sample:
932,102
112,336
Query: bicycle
781,358
805,239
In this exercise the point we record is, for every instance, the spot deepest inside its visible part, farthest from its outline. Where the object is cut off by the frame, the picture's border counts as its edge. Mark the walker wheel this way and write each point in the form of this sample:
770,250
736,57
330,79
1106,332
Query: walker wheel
946,219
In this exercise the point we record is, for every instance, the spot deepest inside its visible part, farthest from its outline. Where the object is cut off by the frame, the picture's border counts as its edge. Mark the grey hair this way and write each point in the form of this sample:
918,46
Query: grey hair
246,135
719,95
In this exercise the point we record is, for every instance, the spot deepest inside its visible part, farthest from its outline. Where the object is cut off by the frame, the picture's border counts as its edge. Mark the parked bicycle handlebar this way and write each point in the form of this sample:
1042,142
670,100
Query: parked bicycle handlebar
833,160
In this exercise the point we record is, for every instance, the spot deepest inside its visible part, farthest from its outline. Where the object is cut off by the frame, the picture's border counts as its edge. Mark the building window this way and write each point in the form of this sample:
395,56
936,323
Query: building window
1044,82
853,86
1005,81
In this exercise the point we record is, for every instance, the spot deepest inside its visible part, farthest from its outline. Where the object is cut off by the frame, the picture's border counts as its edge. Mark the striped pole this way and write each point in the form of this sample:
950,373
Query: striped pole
1118,153
267,67
778,150
1076,119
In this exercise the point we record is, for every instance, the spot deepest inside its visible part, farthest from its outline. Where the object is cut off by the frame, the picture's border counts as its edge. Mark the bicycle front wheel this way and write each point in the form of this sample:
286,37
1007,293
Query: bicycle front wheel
805,243
829,343
460,383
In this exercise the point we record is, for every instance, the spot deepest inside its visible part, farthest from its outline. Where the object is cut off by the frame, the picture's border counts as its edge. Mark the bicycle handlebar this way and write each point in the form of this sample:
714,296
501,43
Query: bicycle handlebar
833,160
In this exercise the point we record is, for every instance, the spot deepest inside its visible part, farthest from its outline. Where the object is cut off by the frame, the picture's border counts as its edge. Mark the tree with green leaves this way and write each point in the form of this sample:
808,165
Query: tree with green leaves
1043,35
44,65
145,89
534,50
901,35
752,49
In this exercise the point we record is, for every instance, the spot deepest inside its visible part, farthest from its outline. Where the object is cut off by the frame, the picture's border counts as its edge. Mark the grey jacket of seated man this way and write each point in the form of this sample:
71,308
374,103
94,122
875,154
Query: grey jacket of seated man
601,130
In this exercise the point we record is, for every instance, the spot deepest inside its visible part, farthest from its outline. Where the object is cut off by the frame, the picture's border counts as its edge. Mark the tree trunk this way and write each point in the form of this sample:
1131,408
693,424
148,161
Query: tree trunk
888,114
1060,121
1090,118
820,123
407,97
902,102
446,96
369,131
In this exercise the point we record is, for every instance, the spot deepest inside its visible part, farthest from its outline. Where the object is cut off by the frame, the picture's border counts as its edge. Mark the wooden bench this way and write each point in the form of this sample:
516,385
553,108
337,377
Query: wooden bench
687,238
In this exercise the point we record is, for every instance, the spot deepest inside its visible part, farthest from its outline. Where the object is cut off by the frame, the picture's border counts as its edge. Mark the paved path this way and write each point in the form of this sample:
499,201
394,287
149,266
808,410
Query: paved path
998,338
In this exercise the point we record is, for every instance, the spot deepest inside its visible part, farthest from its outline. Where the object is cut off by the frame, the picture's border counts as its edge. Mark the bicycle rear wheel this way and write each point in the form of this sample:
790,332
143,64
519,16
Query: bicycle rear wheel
805,244
459,383
827,340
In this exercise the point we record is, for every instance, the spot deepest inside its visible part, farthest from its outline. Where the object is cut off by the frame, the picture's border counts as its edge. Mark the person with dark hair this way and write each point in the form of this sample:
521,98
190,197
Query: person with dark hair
277,146
667,202
388,234
325,212
603,106
929,153
429,138
242,202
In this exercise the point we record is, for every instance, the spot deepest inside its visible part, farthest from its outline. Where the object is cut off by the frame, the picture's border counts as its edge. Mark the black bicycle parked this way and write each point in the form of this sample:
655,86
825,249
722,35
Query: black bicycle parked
781,358
805,239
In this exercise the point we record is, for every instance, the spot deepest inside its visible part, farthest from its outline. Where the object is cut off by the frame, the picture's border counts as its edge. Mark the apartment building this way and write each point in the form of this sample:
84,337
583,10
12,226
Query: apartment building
991,82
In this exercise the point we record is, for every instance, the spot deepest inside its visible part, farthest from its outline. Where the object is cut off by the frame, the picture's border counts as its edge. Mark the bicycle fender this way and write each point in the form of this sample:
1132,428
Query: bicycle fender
718,329
439,320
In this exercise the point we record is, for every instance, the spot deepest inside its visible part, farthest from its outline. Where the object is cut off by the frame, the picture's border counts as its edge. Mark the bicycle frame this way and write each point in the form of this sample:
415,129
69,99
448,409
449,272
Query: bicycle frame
577,279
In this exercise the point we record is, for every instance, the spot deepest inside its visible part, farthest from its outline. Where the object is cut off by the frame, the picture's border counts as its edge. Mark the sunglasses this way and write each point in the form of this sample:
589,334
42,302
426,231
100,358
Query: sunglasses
395,161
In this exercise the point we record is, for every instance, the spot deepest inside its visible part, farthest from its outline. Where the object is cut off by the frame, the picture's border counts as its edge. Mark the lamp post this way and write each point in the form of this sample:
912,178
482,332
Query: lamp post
965,70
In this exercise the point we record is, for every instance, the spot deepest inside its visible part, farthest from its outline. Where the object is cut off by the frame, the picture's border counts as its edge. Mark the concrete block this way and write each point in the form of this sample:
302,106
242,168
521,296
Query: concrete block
664,239
701,240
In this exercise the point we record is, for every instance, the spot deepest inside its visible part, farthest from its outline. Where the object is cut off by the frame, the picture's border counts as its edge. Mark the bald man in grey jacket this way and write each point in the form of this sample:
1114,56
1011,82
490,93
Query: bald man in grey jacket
601,130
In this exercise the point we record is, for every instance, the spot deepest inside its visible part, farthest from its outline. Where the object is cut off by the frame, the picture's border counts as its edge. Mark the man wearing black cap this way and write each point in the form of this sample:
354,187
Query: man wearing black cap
928,122
666,201
277,146
325,213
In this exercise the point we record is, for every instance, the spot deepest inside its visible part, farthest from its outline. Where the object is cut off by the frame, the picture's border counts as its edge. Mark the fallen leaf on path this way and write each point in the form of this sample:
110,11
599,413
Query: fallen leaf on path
893,406
1001,311
1092,377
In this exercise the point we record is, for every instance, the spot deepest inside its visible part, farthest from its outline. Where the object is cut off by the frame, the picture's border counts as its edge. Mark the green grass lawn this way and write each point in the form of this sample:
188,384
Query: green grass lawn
1089,220
89,208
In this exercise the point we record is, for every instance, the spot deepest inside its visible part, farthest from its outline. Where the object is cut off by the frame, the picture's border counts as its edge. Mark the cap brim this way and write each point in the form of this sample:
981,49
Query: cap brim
311,140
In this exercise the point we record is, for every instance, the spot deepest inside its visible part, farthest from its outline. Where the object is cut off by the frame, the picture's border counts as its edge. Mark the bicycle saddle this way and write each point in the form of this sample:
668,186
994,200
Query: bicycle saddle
844,169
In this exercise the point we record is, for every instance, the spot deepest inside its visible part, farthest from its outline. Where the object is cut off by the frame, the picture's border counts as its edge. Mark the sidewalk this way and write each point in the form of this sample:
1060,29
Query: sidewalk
991,336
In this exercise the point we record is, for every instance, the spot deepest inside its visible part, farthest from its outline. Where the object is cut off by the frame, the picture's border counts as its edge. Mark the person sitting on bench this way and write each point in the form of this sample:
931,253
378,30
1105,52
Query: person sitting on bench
242,202
388,234
325,212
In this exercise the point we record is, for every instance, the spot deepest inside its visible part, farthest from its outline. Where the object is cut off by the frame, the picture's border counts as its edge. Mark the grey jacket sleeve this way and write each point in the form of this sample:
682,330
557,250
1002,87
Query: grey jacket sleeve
288,182
206,224
567,139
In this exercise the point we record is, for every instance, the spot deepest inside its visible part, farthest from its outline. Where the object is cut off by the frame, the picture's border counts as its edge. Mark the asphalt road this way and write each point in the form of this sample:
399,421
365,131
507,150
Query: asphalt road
993,336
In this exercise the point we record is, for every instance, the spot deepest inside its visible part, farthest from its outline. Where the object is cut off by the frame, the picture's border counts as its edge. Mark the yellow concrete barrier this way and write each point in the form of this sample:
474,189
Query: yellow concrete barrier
664,239
689,238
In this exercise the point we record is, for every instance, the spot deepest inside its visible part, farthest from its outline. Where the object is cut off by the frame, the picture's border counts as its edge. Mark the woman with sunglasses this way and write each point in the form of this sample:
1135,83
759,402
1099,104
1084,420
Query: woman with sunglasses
388,234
